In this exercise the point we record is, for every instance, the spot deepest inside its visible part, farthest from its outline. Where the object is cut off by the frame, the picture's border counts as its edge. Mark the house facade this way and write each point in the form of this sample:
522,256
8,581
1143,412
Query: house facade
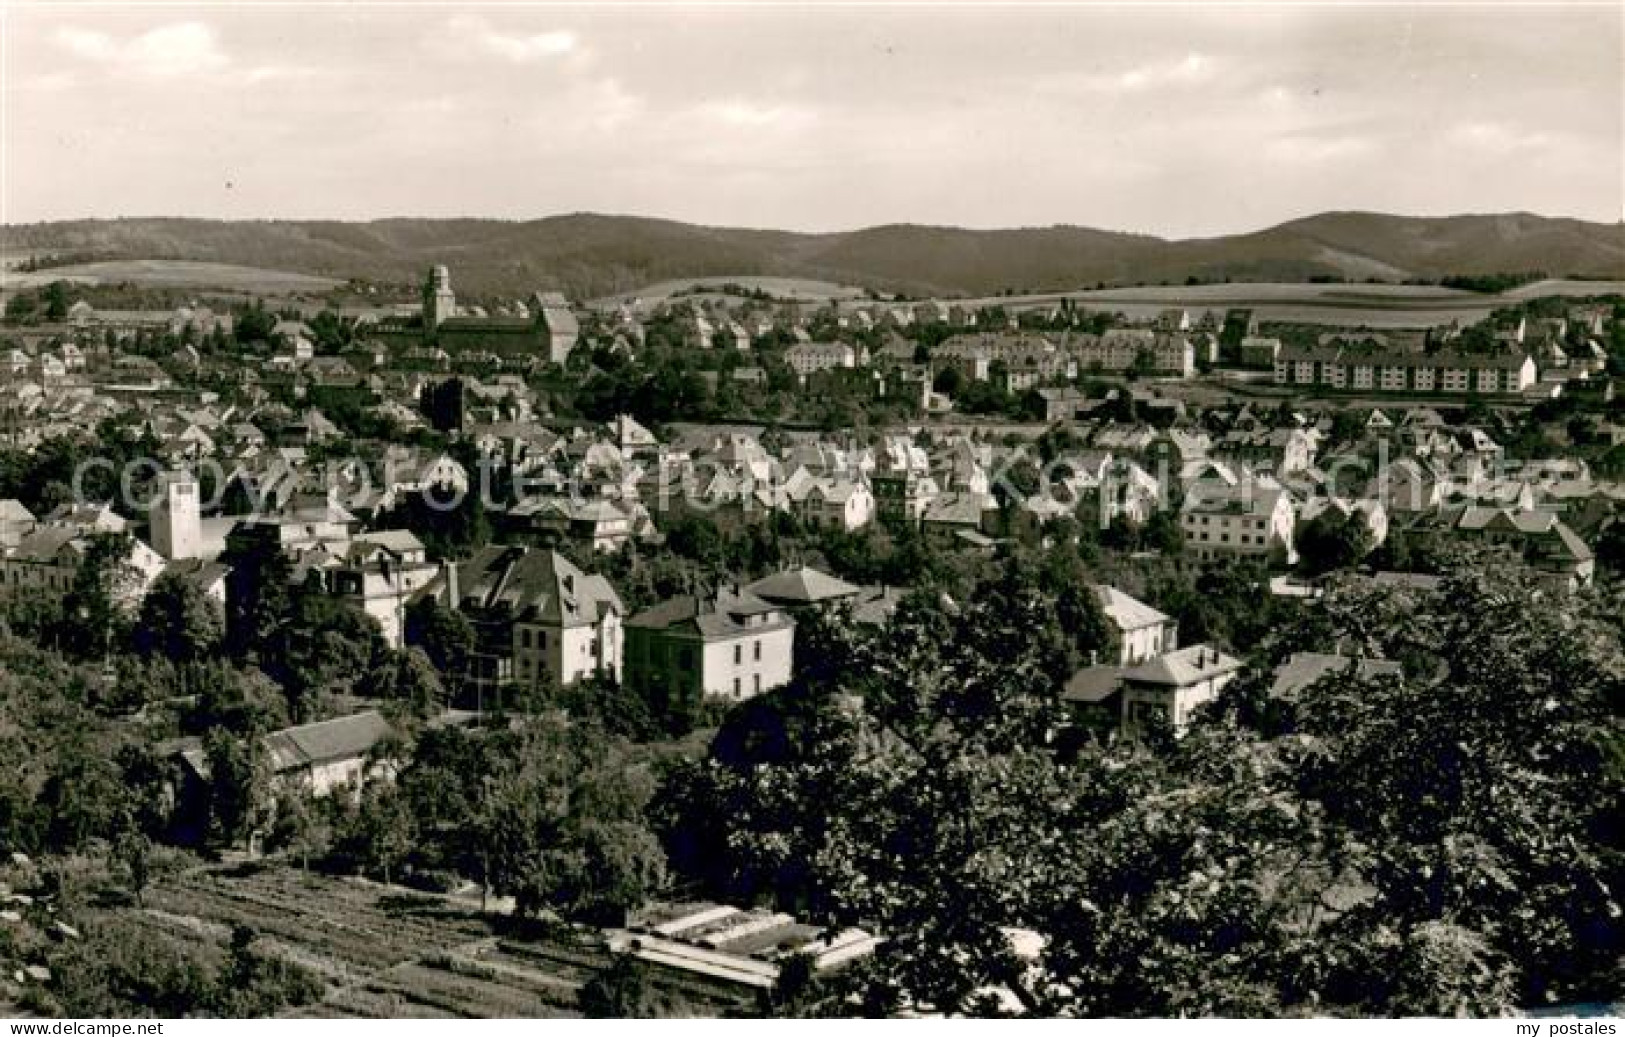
1172,686
1249,519
731,645
1373,365
1143,633
539,621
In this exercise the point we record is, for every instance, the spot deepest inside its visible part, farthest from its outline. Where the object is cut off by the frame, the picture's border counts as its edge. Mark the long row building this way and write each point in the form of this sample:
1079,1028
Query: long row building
1028,360
1374,364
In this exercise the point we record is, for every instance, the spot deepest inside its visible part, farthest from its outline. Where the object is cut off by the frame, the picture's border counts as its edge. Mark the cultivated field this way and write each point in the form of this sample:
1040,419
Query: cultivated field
1369,305
797,288
175,273
1351,305
385,952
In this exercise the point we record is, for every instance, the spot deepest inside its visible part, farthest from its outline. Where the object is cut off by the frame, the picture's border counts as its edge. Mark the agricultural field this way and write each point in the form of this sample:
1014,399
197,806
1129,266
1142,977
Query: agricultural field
387,952
795,288
175,273
1354,305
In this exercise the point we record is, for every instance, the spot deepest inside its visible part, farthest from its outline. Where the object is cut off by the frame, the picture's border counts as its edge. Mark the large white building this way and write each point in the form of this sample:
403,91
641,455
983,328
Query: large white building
538,619
1120,349
1370,364
1143,632
1248,519
732,645
1172,686
811,357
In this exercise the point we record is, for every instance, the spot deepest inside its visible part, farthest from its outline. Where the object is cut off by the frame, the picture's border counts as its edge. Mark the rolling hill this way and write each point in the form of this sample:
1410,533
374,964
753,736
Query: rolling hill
591,255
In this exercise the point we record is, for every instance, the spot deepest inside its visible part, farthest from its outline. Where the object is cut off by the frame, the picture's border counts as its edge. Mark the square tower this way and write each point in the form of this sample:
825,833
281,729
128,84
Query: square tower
174,519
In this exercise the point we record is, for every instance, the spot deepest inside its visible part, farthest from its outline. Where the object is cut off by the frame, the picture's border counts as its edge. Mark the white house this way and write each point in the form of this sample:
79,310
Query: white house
1174,685
1143,632
731,645
1249,519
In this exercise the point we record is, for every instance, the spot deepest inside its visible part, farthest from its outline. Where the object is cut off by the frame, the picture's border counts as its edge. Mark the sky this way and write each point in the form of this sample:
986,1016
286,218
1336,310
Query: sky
1176,121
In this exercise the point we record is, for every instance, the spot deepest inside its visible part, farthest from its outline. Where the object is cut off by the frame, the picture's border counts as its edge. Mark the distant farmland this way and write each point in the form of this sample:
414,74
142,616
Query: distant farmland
1340,304
176,273
1371,305
797,288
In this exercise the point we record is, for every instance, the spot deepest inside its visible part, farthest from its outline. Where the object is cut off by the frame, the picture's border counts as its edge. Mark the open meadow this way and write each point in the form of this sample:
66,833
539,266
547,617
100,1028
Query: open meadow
175,273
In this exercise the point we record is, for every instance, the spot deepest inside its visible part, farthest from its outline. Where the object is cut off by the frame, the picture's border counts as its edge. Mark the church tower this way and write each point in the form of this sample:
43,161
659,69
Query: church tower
438,300
174,518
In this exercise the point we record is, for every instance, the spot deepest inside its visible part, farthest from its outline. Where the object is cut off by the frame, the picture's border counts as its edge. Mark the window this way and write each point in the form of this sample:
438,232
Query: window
757,649
738,688
739,654
757,682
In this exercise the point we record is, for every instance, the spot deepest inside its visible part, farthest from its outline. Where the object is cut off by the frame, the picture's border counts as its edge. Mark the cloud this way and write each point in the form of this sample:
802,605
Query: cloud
610,105
1495,138
1148,77
1315,148
181,49
1192,68
740,113
518,48
278,74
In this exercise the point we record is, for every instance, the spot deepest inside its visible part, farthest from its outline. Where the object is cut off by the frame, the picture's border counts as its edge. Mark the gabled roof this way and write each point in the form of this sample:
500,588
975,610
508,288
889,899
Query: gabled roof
1127,612
200,573
1306,668
342,738
339,739
708,619
803,586
1093,684
1184,667
44,545
400,541
536,586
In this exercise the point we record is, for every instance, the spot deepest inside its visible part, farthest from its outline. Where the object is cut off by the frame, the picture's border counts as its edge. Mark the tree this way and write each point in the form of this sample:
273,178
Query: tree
93,612
83,797
416,686
321,646
302,827
245,702
55,296
625,990
251,984
178,621
22,306
1332,540
258,597
444,634
563,827
384,830
1162,534
254,324
134,852
1374,847
239,788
